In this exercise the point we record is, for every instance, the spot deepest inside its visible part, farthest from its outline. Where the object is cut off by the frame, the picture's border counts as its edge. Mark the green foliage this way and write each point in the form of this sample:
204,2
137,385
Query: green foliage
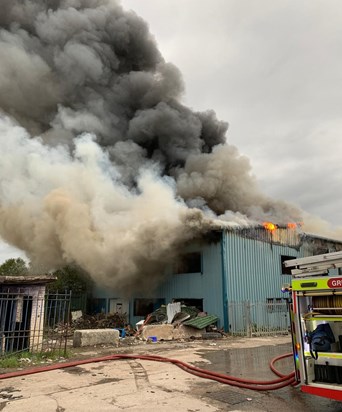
14,267
28,358
70,278
10,362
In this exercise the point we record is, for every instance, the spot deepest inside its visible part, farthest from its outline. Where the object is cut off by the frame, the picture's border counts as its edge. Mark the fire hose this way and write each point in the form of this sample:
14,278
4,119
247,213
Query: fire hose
281,382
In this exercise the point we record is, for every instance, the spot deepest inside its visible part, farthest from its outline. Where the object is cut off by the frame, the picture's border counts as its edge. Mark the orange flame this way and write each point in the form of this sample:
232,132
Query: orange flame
292,225
270,226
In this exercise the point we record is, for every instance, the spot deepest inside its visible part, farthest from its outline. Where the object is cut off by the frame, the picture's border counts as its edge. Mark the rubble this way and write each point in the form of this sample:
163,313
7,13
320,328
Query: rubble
187,322
103,321
166,332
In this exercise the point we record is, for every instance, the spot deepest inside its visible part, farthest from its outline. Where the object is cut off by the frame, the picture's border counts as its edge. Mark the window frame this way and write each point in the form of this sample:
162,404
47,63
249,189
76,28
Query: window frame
150,305
284,270
187,264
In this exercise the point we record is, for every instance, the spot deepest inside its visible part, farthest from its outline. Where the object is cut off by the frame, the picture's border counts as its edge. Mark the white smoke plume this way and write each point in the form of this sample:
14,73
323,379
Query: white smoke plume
102,166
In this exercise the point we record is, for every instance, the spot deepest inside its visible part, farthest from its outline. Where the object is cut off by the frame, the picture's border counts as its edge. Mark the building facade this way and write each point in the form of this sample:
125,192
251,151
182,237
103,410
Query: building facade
227,266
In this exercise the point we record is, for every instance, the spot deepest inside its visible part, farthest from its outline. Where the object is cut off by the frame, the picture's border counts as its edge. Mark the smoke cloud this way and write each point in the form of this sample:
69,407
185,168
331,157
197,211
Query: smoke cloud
102,165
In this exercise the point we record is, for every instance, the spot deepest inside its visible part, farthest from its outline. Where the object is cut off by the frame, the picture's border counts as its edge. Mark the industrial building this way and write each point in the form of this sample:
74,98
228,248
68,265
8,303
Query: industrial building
225,269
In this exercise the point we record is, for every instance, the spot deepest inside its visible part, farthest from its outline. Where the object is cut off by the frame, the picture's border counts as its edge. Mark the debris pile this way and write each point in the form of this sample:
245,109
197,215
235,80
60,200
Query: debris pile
178,314
103,321
168,322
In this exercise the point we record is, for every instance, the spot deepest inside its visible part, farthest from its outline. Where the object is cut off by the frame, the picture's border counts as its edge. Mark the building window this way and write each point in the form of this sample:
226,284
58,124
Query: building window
97,305
189,263
143,307
197,303
285,270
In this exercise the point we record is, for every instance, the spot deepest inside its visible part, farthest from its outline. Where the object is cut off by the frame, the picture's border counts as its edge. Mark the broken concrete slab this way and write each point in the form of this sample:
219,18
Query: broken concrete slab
91,337
162,332
169,332
187,332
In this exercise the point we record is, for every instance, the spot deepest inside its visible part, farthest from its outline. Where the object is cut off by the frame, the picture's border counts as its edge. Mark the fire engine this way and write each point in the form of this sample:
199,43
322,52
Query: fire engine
316,323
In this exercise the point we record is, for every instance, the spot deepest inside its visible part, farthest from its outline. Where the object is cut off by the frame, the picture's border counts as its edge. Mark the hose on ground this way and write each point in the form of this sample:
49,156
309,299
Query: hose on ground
267,385
274,370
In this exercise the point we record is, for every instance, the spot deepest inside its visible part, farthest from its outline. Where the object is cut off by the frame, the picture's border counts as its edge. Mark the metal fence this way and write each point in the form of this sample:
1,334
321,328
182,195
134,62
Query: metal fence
79,302
258,318
32,321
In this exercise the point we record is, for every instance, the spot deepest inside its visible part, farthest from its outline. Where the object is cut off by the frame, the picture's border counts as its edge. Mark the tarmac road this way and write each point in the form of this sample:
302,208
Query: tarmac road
139,385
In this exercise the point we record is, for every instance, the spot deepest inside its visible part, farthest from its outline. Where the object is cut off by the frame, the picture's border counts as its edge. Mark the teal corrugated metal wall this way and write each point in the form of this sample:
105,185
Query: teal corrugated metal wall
245,265
254,266
206,286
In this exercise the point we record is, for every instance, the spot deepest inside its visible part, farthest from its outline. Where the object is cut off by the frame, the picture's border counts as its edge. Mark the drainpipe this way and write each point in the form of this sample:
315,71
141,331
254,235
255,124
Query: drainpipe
224,281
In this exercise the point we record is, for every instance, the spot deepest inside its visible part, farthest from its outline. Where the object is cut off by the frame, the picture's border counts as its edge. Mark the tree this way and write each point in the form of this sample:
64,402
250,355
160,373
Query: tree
14,267
70,278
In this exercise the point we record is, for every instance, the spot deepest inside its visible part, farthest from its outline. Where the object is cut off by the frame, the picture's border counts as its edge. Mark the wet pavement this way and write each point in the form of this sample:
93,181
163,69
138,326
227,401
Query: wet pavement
253,363
138,385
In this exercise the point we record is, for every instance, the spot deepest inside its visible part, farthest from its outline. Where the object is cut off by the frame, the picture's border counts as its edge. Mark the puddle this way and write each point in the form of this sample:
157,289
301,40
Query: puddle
253,363
248,362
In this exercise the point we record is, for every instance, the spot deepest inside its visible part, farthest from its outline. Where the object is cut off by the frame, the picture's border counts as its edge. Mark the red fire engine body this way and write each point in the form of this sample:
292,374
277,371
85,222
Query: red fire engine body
316,323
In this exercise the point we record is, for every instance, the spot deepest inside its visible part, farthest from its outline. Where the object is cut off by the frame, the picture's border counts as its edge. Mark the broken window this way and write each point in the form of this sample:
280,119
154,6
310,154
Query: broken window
197,303
143,306
189,263
285,270
97,305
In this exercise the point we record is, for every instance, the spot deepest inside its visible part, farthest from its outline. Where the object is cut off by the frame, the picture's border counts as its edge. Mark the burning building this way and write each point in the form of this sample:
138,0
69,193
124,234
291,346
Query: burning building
223,271
102,165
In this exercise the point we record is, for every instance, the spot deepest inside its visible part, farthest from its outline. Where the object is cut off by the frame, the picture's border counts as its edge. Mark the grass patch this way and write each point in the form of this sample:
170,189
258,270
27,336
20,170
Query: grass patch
28,358
10,362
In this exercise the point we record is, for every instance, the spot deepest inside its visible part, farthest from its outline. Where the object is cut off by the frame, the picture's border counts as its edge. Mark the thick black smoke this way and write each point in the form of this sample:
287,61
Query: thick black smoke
102,165
75,66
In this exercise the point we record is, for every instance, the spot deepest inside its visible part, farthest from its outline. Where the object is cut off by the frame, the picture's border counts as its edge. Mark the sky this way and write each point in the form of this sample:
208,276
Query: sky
272,70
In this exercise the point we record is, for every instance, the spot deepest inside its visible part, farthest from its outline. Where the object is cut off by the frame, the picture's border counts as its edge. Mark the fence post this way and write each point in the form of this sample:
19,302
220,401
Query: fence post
248,319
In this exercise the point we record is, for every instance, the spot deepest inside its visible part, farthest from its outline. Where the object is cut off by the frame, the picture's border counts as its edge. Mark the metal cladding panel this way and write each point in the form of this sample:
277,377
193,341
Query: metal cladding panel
281,236
317,246
254,264
206,285
201,322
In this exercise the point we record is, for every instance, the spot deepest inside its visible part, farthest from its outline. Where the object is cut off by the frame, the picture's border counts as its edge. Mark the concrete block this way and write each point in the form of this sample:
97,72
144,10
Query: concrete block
169,332
186,332
162,332
91,337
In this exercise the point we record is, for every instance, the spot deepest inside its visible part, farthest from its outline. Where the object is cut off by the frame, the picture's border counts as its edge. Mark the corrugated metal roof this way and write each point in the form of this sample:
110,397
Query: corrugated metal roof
307,236
27,279
280,236
201,322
